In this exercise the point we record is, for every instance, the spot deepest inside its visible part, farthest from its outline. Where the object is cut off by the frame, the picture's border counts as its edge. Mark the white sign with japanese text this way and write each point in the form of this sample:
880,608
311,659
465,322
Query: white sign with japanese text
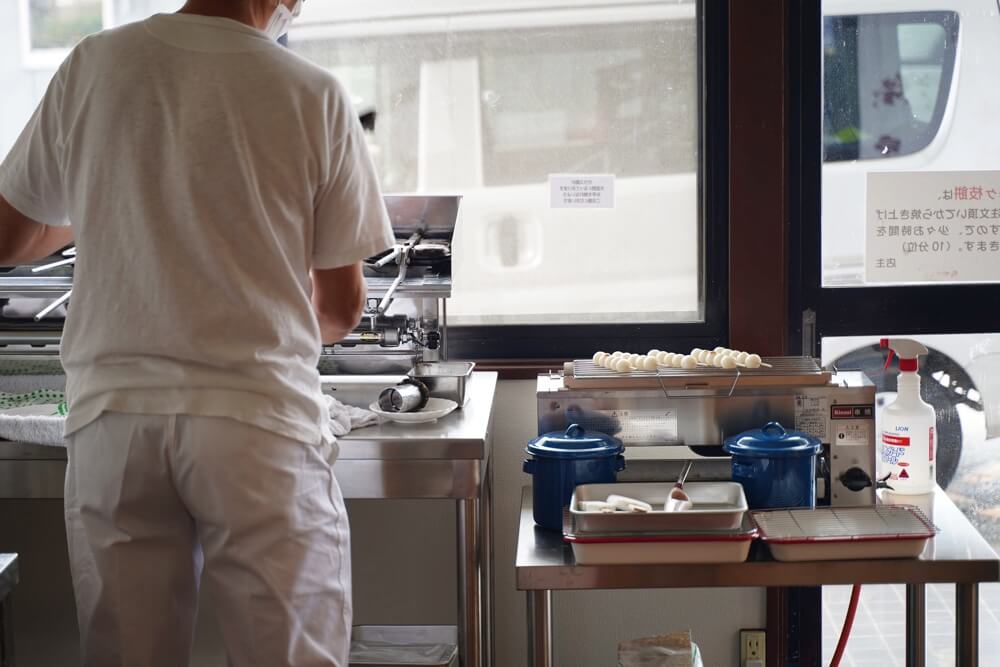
928,227
582,190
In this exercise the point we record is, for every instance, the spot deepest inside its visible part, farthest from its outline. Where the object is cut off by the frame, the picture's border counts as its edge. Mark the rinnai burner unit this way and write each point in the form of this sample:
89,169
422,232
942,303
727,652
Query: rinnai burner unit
675,414
405,321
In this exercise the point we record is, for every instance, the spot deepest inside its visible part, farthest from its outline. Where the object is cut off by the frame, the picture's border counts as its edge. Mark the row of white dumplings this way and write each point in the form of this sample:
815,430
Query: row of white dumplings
720,357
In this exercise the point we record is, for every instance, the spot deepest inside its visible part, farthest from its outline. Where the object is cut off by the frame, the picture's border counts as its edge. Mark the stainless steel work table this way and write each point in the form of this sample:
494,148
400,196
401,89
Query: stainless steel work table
448,458
445,459
957,555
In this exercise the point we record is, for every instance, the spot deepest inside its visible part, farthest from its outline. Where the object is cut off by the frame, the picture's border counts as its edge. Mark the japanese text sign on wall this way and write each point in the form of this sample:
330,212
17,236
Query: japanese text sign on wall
582,190
925,227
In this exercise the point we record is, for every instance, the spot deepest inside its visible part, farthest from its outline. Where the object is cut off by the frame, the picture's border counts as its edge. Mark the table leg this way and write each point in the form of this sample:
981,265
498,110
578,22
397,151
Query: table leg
470,625
967,625
540,629
916,624
488,576
6,634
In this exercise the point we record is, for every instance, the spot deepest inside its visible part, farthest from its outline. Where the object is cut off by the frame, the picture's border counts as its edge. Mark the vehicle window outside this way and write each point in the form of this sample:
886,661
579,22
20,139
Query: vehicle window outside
489,106
897,96
59,24
884,82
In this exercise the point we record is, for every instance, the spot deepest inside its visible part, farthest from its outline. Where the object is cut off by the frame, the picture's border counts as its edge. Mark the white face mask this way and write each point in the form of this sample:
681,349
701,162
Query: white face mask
281,19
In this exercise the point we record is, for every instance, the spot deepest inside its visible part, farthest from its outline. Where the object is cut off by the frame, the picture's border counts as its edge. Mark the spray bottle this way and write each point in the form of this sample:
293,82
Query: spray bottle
906,445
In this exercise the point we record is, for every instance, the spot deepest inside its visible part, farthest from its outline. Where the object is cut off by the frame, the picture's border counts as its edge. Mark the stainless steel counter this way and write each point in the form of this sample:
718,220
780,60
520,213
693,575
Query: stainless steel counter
958,554
446,459
442,459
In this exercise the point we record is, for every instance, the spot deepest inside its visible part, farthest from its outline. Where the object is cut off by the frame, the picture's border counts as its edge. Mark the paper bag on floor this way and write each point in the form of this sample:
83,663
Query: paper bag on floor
673,650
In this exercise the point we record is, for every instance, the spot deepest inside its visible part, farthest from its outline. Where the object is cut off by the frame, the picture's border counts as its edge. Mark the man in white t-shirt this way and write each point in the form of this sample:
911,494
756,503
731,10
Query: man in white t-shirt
221,200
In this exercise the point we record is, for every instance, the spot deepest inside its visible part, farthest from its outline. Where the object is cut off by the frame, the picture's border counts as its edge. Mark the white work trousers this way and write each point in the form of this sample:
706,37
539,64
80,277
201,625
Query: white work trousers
151,499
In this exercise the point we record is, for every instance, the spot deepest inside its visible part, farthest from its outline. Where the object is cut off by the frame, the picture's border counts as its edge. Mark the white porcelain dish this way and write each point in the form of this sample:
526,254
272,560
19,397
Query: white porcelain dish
716,506
435,409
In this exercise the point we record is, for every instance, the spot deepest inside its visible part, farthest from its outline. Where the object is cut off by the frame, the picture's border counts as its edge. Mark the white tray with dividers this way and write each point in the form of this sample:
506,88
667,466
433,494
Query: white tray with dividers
844,533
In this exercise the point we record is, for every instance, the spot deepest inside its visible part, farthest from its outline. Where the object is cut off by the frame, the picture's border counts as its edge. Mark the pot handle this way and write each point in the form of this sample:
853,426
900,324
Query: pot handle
619,463
774,430
528,466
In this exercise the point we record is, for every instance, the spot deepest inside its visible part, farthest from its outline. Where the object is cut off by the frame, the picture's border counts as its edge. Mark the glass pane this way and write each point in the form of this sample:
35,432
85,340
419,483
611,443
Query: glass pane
490,103
59,24
25,80
961,380
902,92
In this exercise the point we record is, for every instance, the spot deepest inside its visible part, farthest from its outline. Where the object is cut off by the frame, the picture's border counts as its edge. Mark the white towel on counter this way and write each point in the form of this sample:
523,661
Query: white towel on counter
346,418
33,429
39,425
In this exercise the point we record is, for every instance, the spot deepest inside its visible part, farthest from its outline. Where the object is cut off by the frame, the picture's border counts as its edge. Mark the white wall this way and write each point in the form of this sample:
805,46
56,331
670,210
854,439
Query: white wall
404,564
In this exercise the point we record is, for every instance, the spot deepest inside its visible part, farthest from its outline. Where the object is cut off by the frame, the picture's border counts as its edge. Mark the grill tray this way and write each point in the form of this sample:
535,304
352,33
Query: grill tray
585,374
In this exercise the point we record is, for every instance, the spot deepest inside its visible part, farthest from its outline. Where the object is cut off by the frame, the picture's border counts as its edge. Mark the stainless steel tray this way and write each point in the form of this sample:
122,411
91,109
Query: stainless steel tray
666,547
445,379
399,645
718,506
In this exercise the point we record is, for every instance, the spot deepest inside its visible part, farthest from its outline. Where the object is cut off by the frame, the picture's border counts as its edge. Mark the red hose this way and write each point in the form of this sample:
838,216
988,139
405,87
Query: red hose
845,633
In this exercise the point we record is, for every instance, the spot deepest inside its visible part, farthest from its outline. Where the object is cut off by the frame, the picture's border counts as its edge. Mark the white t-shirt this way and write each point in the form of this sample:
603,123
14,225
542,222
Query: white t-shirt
205,169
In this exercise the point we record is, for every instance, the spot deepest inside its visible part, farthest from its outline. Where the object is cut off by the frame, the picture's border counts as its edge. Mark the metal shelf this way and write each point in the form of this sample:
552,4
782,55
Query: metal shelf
420,286
39,287
56,286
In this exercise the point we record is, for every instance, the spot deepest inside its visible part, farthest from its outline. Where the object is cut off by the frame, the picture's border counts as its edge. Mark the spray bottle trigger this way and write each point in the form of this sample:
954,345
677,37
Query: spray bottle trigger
884,483
888,359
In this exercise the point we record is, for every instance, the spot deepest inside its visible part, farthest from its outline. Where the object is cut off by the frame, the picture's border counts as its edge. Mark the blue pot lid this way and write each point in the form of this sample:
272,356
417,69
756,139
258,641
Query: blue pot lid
574,443
773,441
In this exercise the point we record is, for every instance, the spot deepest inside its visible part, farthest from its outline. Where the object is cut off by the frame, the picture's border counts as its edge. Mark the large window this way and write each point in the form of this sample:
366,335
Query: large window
497,100
487,101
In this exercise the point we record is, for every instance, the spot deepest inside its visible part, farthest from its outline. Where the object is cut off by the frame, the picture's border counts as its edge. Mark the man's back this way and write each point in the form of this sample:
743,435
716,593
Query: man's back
206,170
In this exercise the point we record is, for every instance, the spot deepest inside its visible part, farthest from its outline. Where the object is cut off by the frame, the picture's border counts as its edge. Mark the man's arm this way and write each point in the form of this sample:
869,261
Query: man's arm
25,240
339,300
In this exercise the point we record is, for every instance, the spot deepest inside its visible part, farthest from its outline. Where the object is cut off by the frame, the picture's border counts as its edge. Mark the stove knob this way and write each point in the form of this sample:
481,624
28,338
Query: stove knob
856,479
433,340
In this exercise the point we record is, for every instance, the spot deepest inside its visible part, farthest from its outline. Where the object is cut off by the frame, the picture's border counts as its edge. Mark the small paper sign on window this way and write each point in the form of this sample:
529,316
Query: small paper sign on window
582,190
933,227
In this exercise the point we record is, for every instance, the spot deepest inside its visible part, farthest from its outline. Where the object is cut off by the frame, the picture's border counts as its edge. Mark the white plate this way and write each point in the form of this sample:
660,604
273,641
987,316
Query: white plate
435,409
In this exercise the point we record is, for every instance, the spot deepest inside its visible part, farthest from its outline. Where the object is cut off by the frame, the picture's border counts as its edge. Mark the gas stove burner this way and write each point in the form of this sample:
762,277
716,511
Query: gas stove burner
430,257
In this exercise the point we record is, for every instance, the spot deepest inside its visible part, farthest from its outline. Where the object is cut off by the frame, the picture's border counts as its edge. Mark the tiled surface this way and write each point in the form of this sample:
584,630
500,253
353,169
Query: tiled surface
879,633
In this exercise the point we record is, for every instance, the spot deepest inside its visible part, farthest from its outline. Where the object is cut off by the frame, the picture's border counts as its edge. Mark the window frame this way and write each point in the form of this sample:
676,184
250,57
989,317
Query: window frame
556,341
816,311
51,58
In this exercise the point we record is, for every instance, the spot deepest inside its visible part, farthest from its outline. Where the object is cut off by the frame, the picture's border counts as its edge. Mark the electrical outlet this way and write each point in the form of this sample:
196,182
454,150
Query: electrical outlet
752,648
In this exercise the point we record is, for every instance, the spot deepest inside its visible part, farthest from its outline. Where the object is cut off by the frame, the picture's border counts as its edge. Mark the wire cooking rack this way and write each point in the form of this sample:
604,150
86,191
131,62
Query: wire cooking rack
844,523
